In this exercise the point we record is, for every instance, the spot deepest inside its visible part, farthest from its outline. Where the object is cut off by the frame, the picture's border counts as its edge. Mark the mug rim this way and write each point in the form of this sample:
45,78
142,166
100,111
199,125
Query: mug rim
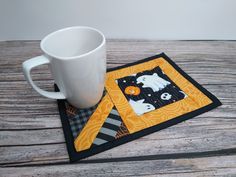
42,43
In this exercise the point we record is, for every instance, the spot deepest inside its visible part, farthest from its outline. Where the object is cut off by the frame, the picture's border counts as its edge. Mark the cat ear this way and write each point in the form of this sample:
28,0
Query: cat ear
144,86
131,101
138,80
155,74
141,101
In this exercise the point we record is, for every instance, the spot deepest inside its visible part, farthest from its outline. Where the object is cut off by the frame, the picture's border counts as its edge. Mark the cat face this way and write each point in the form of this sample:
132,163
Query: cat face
141,79
149,107
153,81
166,96
140,107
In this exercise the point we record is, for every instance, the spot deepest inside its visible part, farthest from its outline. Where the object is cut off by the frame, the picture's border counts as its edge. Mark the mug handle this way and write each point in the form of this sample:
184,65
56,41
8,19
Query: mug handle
33,62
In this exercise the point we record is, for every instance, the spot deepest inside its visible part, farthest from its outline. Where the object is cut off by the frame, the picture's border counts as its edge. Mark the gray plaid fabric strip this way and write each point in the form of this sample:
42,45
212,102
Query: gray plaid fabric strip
78,121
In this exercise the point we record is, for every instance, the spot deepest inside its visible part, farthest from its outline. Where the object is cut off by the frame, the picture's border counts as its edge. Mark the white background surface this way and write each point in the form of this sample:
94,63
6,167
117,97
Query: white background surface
139,19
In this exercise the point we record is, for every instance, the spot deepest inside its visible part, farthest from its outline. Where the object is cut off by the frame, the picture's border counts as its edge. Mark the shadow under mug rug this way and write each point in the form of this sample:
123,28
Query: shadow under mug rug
140,98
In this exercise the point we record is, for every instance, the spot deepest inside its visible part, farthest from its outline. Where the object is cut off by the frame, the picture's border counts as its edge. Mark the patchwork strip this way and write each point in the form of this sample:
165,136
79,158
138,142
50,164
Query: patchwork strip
88,134
78,117
109,129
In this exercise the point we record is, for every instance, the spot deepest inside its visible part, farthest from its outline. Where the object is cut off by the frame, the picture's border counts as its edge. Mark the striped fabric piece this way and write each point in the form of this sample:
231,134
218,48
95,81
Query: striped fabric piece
109,128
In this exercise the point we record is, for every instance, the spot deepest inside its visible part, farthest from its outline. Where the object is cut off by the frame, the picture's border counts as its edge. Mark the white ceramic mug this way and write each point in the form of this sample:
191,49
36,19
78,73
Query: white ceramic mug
77,60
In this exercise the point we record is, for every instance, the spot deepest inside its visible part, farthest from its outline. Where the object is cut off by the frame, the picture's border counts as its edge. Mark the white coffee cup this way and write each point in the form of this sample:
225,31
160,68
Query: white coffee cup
77,61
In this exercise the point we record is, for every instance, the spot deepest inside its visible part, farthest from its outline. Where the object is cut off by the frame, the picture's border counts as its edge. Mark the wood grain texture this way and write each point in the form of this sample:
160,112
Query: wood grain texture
31,133
194,167
196,135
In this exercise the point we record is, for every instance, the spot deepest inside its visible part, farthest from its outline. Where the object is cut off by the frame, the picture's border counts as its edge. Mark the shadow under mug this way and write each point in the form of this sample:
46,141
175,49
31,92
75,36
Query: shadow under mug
77,60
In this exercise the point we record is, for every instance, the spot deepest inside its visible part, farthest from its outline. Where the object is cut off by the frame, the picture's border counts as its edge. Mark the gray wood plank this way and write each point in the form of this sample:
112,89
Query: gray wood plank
29,136
194,167
196,135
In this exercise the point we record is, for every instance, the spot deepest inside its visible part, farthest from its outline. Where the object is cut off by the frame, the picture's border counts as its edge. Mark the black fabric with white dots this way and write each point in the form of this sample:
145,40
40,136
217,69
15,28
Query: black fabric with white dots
154,88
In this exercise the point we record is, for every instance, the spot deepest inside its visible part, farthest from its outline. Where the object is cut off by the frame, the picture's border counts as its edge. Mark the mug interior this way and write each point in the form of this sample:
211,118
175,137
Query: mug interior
72,42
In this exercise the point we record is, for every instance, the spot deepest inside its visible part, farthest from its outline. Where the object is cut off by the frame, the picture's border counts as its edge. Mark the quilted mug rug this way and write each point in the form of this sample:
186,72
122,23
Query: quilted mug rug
139,98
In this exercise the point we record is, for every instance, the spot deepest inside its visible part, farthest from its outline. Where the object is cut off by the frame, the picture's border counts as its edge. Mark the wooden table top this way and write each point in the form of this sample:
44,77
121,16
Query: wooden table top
32,140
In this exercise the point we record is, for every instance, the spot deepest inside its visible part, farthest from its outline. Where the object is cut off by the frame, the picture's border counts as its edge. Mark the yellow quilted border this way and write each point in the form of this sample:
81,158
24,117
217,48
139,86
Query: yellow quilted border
195,100
92,127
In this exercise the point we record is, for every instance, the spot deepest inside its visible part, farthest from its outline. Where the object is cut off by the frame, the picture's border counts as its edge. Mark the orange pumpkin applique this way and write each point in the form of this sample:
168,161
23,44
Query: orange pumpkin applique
132,90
